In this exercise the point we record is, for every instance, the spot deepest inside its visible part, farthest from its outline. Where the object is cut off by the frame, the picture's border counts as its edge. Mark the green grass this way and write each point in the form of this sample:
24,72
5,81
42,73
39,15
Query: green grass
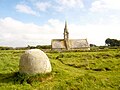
70,71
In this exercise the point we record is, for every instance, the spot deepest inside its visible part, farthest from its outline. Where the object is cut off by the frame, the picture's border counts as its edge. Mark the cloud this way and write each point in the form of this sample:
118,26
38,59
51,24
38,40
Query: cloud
55,5
71,3
42,6
16,33
102,5
25,9
63,4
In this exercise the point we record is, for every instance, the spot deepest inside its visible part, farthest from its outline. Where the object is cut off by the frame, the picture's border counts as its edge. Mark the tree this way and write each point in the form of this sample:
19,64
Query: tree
108,41
92,45
112,42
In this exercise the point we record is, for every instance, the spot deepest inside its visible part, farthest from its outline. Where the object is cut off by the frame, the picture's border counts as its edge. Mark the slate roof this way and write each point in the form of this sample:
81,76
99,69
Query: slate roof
78,43
73,43
57,43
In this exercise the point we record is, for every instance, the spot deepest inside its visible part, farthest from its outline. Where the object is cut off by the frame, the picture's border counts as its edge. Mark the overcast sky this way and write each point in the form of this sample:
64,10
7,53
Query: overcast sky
36,22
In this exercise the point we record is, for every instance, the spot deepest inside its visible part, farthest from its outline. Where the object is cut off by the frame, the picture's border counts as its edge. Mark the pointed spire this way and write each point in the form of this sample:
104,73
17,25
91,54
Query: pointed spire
66,33
66,30
66,24
66,36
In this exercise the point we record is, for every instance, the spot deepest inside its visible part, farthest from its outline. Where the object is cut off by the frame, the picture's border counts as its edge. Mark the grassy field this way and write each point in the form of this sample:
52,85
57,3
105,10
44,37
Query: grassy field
71,71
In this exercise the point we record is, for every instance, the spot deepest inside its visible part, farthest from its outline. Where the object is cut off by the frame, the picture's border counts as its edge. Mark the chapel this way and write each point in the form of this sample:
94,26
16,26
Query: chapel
69,44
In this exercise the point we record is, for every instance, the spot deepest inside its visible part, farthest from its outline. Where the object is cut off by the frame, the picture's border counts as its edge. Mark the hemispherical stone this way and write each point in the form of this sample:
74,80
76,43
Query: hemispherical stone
34,61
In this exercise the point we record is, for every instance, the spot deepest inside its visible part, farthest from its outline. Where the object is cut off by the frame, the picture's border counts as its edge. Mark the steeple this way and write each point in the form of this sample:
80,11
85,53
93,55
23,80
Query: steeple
65,29
66,33
66,36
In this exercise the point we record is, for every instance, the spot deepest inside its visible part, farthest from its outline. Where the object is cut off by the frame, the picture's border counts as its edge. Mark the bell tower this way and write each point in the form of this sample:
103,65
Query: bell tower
66,33
66,36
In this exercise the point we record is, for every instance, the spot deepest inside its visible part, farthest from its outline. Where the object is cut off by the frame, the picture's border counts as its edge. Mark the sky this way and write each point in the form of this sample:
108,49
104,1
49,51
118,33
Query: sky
37,22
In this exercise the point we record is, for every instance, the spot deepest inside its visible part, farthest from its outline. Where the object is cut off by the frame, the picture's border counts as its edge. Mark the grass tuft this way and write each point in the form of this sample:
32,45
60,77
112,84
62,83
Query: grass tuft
29,79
